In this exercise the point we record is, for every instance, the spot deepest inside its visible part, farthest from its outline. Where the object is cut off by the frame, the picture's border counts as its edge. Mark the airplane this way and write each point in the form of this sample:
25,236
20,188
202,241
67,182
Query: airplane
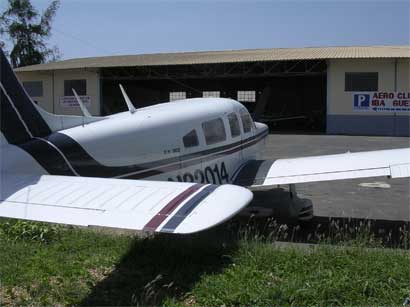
179,167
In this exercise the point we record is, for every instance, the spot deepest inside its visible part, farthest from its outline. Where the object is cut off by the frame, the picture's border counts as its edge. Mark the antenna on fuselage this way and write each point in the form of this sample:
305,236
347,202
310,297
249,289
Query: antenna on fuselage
130,106
81,104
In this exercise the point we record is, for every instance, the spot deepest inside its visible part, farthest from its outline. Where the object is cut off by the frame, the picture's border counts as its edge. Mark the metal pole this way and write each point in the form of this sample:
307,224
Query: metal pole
52,91
395,90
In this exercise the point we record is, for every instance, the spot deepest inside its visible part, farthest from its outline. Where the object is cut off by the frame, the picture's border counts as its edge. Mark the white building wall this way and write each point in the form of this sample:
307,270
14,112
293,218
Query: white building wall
53,89
45,101
341,116
403,75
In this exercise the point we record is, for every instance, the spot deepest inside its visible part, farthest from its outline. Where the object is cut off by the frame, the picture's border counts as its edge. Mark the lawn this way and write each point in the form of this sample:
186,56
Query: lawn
70,266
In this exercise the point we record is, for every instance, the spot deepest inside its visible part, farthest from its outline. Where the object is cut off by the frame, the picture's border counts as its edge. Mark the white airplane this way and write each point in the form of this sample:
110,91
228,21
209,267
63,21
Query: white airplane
178,167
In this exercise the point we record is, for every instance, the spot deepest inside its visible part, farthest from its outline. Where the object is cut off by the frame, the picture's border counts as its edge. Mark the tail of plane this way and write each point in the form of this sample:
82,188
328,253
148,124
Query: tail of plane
21,119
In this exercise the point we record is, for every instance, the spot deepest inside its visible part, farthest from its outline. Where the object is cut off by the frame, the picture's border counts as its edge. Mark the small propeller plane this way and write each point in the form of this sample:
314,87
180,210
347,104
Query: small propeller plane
177,167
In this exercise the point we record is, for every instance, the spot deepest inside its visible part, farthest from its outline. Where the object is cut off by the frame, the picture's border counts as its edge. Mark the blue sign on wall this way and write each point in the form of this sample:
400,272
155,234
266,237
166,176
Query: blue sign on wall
382,101
361,101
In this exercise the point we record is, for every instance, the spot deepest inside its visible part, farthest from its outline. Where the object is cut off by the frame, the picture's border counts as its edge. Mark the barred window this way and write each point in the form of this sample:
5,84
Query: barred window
206,94
246,96
177,96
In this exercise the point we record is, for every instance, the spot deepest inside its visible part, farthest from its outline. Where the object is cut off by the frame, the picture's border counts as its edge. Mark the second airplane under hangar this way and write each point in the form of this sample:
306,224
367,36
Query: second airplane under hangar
178,167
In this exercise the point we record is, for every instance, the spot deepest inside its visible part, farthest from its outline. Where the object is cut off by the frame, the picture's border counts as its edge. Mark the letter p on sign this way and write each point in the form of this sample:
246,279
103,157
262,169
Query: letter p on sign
361,101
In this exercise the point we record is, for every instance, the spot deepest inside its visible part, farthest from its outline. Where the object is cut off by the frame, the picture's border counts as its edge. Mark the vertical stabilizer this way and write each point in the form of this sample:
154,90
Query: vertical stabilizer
20,119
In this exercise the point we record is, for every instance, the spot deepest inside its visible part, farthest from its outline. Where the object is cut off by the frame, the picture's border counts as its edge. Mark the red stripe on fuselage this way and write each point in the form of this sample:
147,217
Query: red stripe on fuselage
153,224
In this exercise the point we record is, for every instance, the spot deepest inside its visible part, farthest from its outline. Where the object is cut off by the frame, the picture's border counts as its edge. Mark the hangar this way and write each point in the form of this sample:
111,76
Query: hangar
354,90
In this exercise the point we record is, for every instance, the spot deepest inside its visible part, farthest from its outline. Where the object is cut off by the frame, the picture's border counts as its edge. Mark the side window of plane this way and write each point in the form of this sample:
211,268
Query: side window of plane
234,124
214,131
246,121
191,139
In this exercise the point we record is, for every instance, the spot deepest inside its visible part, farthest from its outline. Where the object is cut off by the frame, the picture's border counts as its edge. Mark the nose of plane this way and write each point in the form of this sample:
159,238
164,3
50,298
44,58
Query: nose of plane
261,126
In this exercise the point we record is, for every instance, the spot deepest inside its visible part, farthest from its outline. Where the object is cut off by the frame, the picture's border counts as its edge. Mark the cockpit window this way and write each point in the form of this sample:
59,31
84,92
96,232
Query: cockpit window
246,120
234,124
191,139
214,131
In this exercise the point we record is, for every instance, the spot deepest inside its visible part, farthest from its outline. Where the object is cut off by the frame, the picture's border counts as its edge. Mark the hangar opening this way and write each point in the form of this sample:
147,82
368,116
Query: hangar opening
286,95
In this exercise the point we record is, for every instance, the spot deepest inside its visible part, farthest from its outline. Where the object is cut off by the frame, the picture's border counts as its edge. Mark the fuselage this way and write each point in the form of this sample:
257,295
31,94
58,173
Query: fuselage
204,140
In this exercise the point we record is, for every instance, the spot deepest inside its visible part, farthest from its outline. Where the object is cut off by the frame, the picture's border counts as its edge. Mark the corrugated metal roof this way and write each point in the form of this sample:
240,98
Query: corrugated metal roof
229,56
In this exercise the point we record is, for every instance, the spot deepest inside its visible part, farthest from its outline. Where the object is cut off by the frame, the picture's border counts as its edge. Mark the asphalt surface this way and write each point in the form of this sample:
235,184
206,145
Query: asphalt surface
369,198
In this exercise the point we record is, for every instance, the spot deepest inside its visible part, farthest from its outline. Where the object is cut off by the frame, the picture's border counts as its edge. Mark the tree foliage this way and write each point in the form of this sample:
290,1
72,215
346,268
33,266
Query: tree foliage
28,31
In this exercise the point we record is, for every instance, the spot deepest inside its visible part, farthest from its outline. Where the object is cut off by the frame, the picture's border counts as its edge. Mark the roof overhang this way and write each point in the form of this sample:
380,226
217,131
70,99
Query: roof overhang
229,56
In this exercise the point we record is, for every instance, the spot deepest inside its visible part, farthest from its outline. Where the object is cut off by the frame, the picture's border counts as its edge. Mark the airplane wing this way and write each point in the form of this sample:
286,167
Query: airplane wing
171,207
394,163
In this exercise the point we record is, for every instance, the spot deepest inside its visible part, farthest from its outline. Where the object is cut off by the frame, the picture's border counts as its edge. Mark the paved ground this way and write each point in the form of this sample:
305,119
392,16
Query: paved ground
346,198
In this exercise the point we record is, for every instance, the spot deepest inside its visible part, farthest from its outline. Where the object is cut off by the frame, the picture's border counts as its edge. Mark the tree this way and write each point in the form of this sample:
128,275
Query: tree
28,32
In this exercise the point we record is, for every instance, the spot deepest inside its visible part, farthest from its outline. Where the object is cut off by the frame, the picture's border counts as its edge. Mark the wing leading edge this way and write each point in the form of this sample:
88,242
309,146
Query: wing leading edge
171,207
394,163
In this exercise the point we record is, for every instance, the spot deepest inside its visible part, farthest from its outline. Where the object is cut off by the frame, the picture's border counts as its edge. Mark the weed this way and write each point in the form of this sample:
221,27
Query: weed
30,231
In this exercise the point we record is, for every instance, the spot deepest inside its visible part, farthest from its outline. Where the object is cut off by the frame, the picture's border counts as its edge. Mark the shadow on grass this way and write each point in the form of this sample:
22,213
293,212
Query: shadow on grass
163,266
166,267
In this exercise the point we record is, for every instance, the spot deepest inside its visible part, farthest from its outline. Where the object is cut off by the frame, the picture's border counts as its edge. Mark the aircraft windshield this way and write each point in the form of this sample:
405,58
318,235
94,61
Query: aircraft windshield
246,121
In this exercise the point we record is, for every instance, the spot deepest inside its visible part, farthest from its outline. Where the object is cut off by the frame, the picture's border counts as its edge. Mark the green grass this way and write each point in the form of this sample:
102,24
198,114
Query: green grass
264,276
86,267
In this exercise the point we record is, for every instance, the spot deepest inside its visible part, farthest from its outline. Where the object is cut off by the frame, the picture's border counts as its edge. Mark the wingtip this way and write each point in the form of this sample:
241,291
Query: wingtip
219,206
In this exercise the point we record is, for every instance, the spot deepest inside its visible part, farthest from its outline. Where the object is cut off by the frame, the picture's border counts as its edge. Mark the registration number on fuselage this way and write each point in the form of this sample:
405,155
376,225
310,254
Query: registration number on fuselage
216,174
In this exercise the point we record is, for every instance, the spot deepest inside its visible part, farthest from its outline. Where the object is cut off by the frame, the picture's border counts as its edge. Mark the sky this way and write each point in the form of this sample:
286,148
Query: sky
84,28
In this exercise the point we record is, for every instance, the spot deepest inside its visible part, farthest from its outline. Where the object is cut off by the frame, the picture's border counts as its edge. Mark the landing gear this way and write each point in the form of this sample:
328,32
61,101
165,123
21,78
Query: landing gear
280,203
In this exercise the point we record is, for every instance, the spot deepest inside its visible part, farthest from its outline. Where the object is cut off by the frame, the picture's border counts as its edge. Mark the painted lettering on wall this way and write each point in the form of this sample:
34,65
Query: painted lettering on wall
382,101
70,101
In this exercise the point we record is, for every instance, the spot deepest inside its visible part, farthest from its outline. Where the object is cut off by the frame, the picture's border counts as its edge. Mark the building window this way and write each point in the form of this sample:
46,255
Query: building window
34,88
177,96
191,139
234,124
246,96
207,94
214,131
361,81
80,86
